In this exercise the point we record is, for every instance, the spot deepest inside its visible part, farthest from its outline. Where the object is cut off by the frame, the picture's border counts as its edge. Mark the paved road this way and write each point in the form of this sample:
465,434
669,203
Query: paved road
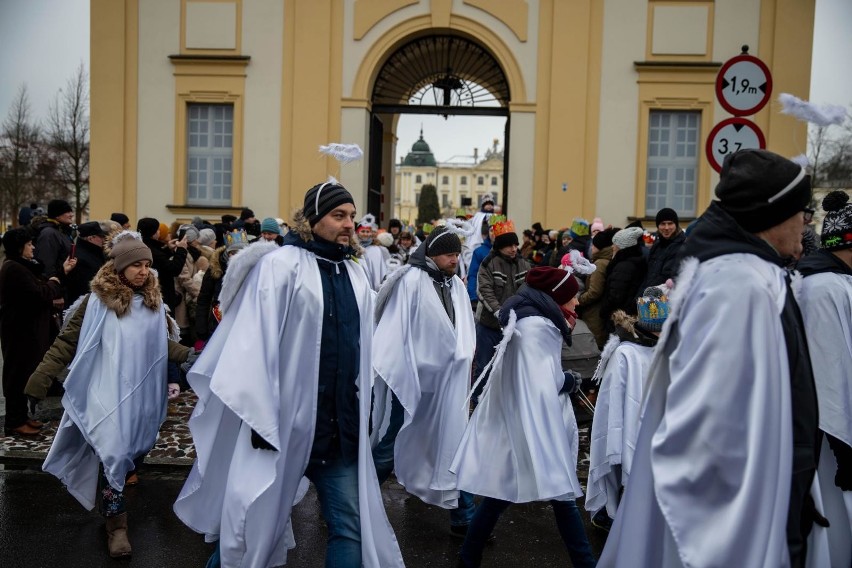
43,526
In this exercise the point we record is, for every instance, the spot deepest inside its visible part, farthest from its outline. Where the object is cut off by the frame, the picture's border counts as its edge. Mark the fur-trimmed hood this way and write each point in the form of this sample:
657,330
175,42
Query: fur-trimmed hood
627,329
117,297
302,227
216,269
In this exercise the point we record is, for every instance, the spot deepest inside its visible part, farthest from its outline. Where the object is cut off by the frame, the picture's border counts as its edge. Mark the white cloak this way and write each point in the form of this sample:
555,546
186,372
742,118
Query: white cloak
115,397
429,371
616,424
710,483
521,442
259,371
375,264
475,239
826,302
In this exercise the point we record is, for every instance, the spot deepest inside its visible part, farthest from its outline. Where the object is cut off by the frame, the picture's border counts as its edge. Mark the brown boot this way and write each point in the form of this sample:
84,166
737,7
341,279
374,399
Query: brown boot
116,528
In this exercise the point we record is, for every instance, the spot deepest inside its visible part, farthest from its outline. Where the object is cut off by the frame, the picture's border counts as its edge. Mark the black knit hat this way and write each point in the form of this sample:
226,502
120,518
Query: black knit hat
666,214
119,218
14,241
604,238
323,198
147,226
58,207
505,240
837,225
442,241
246,213
761,189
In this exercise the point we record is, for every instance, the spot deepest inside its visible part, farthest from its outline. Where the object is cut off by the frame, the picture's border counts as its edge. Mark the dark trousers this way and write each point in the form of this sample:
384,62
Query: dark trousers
568,521
486,340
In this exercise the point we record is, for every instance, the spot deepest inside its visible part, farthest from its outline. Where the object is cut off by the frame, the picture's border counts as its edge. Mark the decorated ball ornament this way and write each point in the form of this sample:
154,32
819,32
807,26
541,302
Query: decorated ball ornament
837,225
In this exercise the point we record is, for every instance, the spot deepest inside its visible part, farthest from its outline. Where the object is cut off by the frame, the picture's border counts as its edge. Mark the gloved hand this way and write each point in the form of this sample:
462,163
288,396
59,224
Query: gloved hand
190,360
258,443
33,403
174,390
572,383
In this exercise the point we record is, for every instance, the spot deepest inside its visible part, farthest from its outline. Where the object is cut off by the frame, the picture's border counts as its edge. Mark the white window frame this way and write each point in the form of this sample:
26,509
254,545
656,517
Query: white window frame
674,151
209,154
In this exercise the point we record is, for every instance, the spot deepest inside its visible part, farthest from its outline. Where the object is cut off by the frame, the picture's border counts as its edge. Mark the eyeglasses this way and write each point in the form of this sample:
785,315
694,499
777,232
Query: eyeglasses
808,214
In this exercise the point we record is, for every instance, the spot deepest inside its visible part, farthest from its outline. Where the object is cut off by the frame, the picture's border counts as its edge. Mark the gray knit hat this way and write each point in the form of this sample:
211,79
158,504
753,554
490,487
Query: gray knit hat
323,198
442,241
127,248
626,238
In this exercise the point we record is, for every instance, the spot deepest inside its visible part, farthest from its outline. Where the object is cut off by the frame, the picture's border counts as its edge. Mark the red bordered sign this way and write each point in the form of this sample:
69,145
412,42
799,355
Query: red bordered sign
731,135
743,85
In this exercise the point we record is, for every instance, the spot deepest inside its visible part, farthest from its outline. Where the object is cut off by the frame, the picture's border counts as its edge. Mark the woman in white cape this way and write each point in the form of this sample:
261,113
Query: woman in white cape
521,442
116,343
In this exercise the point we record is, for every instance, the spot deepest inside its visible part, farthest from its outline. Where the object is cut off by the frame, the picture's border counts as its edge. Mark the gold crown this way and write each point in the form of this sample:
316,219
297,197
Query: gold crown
502,226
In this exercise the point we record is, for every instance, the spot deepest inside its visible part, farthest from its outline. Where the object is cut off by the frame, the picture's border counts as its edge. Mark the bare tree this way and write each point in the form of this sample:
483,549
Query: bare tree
830,154
19,156
68,131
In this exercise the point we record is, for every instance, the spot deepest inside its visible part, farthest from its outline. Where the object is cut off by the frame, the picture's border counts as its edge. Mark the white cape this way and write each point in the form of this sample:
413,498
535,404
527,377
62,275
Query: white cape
615,426
375,264
521,442
475,239
826,302
428,368
247,379
710,483
115,397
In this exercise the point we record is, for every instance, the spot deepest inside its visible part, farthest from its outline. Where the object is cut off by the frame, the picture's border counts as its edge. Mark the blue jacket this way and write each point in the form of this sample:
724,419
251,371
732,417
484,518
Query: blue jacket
478,256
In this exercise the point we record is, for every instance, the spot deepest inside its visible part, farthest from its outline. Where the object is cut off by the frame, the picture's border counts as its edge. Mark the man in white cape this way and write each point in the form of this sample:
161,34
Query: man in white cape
283,392
726,451
475,233
826,299
374,258
423,351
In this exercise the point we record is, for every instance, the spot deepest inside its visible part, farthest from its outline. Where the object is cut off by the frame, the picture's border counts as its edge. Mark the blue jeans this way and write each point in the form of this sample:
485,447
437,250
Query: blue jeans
337,488
568,521
383,458
486,340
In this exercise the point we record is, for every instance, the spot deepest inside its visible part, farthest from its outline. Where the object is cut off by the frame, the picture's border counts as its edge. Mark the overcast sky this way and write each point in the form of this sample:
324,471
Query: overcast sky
43,42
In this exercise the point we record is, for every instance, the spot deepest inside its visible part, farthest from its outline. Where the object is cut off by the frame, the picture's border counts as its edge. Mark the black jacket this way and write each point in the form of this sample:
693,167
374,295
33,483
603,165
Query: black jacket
52,247
168,267
90,258
663,261
624,275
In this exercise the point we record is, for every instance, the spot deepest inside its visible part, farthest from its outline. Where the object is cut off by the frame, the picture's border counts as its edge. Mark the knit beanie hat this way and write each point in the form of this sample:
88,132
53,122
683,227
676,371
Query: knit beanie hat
246,213
207,237
14,241
626,238
666,214
557,283
269,225
147,226
837,225
190,232
323,198
597,225
604,238
163,233
127,248
653,307
442,241
119,218
761,189
58,207
579,228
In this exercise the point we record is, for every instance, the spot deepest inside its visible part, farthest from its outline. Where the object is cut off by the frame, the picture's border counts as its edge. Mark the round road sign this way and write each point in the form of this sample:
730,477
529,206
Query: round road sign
731,135
743,85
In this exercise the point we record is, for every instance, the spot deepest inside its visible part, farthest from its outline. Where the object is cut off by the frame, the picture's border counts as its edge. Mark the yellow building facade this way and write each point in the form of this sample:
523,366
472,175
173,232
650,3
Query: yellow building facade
201,107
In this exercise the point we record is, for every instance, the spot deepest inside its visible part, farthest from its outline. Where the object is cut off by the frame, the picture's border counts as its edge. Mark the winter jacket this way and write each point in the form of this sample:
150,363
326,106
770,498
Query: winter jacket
498,279
590,300
90,258
117,297
476,259
187,288
168,266
663,262
208,295
52,247
624,275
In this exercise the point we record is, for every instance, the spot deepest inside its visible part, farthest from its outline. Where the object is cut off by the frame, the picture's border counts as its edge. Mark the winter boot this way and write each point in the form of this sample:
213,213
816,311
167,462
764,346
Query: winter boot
116,528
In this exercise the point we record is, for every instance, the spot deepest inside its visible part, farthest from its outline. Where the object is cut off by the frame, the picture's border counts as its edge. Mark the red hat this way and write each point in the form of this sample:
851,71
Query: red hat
555,282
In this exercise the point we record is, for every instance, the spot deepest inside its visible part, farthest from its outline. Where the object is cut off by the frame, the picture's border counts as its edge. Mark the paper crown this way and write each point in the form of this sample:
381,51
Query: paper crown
427,228
500,225
236,239
653,307
579,228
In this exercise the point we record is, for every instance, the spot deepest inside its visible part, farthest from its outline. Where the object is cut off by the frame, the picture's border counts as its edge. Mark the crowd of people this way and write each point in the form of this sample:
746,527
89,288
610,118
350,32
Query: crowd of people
714,359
